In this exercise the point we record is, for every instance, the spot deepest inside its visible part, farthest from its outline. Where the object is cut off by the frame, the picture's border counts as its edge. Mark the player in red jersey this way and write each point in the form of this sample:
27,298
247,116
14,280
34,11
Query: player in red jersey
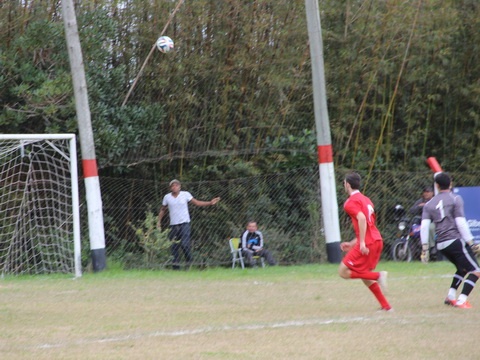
363,252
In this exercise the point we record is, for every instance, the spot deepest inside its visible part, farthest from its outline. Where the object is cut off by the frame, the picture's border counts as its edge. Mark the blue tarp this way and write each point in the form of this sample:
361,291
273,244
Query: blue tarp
471,198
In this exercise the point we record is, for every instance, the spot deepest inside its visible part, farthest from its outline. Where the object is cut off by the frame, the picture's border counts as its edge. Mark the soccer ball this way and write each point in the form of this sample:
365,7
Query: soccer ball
164,44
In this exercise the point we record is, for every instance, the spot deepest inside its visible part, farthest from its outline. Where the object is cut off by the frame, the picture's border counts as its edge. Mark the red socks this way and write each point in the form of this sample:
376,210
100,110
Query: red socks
375,289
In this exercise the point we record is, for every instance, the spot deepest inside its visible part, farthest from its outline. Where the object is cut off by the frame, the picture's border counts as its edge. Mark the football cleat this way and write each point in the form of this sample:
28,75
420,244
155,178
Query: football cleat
465,305
388,310
450,302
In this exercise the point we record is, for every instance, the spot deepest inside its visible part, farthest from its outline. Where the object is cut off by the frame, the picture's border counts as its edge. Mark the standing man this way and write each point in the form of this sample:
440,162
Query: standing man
417,209
363,252
454,239
177,204
252,245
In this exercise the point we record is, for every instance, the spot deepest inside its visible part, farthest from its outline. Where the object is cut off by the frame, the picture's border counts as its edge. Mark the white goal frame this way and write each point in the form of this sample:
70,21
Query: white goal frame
72,159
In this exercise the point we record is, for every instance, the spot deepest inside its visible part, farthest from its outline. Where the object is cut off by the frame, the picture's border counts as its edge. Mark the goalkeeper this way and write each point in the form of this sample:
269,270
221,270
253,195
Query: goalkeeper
454,239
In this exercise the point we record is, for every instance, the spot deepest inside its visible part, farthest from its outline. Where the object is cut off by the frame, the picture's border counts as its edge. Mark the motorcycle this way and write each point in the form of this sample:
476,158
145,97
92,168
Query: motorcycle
407,246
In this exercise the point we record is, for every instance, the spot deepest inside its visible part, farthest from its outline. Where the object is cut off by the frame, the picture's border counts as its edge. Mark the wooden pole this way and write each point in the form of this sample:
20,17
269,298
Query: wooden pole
87,145
330,215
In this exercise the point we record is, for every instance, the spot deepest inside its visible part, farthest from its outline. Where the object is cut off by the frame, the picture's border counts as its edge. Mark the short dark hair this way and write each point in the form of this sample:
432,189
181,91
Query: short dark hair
174,181
354,179
428,189
443,180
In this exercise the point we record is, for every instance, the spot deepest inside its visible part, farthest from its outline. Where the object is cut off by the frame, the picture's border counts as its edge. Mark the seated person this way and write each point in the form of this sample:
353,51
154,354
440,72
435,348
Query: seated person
252,245
427,195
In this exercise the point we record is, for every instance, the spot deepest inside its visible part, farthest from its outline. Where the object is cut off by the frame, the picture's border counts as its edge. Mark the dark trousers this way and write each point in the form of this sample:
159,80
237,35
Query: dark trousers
461,255
180,234
249,254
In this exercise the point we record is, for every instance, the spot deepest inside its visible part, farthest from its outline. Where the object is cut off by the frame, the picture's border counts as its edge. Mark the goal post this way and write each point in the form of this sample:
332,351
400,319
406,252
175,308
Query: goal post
39,204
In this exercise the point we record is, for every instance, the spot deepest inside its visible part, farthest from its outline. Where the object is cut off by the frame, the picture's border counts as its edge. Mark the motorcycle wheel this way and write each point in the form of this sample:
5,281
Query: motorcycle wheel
401,251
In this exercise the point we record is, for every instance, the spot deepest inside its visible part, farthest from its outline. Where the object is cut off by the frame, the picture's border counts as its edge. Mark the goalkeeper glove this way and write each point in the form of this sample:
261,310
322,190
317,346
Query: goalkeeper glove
425,256
476,248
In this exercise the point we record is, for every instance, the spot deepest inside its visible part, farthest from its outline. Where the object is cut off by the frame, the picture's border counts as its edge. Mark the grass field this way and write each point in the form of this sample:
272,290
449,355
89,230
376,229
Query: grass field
302,312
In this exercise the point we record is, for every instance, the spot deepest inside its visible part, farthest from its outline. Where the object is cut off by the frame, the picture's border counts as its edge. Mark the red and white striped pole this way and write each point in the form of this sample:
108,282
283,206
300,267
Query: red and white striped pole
331,223
328,191
95,214
90,172
436,168
434,165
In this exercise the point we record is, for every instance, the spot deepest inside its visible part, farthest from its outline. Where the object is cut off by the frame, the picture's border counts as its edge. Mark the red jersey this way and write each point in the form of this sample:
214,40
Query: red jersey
357,202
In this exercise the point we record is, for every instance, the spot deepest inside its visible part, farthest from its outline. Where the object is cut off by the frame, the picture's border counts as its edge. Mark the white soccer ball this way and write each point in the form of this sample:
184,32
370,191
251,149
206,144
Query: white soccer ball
164,44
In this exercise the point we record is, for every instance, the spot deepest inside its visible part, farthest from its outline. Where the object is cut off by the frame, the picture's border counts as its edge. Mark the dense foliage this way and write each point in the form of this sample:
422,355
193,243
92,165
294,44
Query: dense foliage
235,98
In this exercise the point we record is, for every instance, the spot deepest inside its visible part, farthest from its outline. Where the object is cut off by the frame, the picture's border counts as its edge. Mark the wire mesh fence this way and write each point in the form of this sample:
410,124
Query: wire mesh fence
287,207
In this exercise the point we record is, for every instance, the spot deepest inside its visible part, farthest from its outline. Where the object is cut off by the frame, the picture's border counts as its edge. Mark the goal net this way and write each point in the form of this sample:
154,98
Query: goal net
39,211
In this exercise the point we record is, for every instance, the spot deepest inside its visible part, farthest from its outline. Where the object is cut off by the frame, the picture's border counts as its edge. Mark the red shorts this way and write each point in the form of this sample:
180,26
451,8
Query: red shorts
360,263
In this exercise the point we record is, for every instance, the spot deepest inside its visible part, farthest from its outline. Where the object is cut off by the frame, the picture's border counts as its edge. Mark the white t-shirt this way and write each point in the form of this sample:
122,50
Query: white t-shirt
178,207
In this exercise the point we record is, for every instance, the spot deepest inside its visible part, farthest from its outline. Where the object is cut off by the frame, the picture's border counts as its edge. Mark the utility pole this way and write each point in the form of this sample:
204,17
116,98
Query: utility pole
324,143
87,145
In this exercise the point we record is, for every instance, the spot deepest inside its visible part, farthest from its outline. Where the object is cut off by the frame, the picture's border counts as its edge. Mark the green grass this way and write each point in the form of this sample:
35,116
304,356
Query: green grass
297,312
